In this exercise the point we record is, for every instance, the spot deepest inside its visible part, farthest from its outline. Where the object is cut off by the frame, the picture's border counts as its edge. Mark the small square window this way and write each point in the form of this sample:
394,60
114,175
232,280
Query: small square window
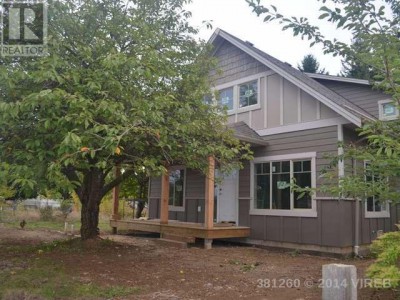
388,110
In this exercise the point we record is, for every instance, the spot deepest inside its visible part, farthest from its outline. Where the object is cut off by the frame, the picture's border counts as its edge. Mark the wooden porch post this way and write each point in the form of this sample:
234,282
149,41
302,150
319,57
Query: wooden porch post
209,197
115,194
164,197
209,200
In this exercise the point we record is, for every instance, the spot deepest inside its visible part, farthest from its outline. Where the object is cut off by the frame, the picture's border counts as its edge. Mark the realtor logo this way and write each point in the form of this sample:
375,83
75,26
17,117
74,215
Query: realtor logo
24,28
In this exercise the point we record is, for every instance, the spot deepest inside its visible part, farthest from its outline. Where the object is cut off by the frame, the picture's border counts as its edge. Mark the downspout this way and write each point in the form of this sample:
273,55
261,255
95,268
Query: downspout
356,217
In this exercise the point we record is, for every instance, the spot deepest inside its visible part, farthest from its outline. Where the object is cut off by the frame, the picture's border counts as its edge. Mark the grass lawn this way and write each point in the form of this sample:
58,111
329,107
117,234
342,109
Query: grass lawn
32,271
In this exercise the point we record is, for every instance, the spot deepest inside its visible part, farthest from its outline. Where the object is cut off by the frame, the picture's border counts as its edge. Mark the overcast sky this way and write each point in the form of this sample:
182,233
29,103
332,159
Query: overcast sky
236,17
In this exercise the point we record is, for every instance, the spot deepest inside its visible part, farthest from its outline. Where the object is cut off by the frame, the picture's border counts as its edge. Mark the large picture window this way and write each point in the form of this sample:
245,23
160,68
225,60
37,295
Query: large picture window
176,187
273,180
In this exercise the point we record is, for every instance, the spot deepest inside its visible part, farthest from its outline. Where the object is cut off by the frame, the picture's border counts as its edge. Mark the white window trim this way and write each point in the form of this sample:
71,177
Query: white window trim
376,214
179,208
382,116
235,85
296,212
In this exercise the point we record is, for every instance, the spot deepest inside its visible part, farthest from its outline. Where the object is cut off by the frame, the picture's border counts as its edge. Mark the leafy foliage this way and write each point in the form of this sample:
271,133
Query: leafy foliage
387,250
123,84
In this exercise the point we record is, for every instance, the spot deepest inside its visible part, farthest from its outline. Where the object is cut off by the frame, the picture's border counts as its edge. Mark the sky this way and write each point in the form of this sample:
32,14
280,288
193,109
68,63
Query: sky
236,17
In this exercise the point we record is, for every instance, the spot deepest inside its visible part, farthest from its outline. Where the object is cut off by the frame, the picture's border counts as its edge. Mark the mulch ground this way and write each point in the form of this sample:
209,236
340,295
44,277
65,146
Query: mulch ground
164,272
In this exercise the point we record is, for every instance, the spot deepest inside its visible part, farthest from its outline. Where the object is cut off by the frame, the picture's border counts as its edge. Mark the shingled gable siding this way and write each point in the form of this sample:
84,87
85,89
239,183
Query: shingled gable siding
194,199
362,95
234,64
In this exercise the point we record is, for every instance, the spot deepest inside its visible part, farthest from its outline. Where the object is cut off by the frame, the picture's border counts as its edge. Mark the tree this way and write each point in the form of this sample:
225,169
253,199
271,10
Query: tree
376,27
310,64
123,85
352,67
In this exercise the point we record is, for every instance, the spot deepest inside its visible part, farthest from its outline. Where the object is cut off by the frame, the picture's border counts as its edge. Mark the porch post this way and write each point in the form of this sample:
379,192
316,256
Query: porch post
164,197
115,198
209,197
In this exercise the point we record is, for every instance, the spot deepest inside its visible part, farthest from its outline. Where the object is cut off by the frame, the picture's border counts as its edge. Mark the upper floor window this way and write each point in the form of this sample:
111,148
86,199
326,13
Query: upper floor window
176,187
248,93
388,110
241,95
225,98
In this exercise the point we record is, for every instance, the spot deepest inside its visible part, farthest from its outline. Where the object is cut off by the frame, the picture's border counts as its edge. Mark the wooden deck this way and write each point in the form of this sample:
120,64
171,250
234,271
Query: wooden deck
184,229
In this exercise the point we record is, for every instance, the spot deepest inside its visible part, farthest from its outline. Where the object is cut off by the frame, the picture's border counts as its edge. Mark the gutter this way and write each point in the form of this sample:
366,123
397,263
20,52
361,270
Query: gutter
356,241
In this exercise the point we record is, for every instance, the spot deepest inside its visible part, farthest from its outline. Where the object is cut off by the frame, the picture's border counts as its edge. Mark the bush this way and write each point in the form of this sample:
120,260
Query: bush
387,250
46,213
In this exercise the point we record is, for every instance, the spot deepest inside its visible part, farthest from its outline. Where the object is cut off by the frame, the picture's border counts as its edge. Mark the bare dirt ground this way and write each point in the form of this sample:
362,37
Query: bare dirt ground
160,271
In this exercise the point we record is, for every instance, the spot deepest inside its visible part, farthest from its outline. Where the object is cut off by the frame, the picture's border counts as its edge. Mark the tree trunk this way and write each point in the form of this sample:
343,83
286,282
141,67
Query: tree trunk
91,196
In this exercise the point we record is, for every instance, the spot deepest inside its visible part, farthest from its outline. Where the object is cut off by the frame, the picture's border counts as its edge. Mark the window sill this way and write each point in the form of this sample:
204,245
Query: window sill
377,215
307,213
244,109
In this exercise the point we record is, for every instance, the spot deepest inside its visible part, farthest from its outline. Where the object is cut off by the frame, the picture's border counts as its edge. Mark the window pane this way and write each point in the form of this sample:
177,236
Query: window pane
297,166
307,165
276,167
389,109
303,180
226,98
281,191
176,187
259,168
285,166
248,94
370,204
262,192
266,168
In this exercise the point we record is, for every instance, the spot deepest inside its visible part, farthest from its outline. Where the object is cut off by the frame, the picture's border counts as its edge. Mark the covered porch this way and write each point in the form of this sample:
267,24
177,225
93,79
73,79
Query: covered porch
177,230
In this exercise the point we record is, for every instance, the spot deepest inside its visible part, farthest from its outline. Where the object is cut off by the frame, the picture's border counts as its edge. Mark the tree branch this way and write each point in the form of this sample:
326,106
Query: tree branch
109,186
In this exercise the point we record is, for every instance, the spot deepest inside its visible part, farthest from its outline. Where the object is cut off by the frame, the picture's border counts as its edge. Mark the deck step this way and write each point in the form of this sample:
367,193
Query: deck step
178,238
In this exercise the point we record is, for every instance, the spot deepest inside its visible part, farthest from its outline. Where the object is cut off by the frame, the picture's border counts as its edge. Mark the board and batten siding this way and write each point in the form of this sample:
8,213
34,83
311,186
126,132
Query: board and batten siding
281,102
329,228
323,141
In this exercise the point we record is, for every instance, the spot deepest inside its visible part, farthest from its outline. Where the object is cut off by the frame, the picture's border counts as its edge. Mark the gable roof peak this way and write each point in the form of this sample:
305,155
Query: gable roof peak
334,101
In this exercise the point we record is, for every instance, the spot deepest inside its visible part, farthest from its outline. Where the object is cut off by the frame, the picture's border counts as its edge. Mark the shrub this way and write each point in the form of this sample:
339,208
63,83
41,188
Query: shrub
387,251
46,213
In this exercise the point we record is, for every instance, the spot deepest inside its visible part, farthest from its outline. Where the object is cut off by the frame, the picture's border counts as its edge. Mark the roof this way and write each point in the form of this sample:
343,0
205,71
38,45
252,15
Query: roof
338,78
244,133
342,106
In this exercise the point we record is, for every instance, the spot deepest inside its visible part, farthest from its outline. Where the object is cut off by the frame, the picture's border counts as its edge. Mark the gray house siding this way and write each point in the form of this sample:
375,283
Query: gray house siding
361,95
281,102
234,64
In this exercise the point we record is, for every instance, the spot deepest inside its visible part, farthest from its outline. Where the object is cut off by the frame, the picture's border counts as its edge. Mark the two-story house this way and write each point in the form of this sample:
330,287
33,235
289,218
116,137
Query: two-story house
292,120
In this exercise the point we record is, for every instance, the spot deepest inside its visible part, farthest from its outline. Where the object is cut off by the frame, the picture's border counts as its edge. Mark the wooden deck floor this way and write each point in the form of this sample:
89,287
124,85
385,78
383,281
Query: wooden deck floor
184,229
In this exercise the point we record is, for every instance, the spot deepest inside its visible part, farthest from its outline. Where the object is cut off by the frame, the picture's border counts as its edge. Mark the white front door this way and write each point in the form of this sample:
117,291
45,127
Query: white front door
227,198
